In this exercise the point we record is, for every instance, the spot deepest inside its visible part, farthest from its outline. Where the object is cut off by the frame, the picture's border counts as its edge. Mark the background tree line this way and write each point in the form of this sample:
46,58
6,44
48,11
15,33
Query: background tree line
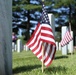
26,14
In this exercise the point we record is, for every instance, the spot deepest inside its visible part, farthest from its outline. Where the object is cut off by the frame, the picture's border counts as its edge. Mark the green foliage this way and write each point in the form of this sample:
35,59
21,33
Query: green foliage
66,3
31,7
26,63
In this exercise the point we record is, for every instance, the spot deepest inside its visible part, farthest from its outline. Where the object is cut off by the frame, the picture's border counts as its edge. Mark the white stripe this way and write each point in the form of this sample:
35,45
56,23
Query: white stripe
47,32
46,25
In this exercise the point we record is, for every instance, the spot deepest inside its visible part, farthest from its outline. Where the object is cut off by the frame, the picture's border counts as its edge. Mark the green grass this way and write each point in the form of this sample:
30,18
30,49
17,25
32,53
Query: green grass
26,63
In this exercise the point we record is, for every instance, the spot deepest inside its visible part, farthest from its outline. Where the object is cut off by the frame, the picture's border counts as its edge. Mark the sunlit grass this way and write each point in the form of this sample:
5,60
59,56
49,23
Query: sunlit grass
26,63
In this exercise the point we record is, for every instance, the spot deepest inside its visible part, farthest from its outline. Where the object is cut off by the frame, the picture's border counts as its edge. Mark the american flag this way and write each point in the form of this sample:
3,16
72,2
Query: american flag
67,38
43,36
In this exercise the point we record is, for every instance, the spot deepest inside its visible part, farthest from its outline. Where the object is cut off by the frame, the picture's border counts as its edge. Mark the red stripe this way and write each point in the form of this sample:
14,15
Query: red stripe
47,35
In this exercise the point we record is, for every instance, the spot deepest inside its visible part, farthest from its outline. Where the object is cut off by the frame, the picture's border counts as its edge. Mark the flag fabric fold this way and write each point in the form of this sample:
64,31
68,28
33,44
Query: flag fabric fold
43,36
66,39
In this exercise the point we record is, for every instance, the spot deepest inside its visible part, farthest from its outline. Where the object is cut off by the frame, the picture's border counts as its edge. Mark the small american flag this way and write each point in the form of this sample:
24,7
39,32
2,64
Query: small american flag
43,36
66,39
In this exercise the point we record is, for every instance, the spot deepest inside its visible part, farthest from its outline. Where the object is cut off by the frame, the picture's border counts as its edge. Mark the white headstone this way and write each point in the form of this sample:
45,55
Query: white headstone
70,45
52,22
27,48
57,46
5,37
64,48
13,46
19,45
24,48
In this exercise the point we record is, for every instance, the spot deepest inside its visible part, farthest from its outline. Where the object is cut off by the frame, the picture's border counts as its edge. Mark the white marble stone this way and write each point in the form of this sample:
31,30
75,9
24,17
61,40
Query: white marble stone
13,46
57,45
24,47
27,48
19,45
5,37
70,45
52,22
64,48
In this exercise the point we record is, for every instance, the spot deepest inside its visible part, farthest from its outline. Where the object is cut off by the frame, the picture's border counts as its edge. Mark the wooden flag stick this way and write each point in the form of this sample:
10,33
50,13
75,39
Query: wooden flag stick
42,59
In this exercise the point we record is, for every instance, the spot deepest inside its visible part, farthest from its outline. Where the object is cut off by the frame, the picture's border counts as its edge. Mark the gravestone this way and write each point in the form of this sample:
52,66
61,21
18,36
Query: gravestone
52,22
24,47
64,48
19,45
70,45
5,37
27,48
57,46
13,46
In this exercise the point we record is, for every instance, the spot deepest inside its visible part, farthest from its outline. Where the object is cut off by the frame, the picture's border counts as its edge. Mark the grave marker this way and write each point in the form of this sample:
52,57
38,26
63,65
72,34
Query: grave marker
19,45
52,22
70,45
64,48
5,37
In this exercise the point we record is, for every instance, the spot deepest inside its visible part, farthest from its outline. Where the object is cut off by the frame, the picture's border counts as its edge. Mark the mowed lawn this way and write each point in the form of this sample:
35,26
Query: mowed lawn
26,63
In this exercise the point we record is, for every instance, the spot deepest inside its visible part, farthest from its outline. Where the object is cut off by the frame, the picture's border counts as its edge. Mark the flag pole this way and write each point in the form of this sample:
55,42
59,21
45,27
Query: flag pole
42,58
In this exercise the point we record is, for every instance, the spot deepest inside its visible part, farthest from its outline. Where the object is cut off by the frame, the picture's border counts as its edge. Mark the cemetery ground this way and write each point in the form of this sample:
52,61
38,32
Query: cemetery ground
26,63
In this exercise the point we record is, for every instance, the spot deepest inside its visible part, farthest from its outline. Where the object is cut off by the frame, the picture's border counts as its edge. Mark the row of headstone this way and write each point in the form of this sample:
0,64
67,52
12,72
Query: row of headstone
18,47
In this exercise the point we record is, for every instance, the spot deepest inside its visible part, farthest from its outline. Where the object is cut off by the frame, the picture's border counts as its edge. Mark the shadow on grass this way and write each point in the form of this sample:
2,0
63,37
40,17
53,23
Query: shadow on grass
25,68
54,70
61,57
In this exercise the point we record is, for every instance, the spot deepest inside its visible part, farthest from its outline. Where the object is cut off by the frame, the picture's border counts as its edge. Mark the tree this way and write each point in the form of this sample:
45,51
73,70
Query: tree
70,5
26,8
